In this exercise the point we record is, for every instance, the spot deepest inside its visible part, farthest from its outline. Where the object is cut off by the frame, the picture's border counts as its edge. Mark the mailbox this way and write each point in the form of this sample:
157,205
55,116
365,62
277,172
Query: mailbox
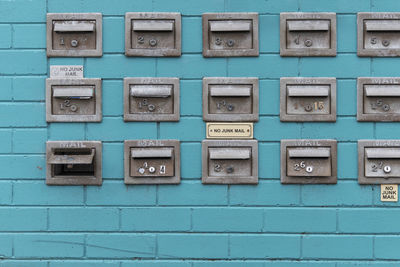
308,161
74,35
379,161
73,163
151,99
308,99
152,162
378,34
308,34
230,99
378,99
73,100
230,34
153,34
230,161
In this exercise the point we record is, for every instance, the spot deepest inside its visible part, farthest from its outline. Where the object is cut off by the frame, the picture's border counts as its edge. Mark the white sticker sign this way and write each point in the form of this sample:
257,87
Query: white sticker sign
66,71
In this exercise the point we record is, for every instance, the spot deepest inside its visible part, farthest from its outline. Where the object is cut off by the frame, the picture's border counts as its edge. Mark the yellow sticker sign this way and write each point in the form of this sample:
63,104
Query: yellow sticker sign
389,193
230,130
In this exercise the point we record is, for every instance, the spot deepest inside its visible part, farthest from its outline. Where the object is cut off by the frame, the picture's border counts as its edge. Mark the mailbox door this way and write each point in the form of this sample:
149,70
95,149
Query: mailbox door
382,162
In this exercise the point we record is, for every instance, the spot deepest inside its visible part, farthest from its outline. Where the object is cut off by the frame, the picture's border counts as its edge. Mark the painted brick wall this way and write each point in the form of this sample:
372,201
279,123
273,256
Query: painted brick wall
186,225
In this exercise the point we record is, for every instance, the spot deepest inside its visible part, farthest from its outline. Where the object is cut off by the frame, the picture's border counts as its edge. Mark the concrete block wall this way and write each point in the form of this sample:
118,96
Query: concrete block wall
186,225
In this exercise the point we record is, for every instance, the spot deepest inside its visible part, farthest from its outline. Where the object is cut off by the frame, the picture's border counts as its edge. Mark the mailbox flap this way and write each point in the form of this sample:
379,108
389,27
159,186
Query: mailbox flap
162,152
382,90
152,25
72,156
151,90
230,90
382,153
230,153
317,152
310,90
308,25
73,92
230,26
382,25
74,26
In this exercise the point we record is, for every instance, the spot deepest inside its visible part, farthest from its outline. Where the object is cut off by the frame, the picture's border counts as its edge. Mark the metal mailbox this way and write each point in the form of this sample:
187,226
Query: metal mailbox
308,161
379,161
230,99
153,34
152,162
230,34
378,34
230,161
74,35
308,34
308,99
378,99
151,99
73,100
74,163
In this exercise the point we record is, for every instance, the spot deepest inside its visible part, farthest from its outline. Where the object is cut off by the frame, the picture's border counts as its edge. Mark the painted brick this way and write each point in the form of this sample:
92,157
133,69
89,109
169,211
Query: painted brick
384,5
191,93
5,141
346,97
86,263
14,219
66,61
174,130
83,219
23,263
300,220
190,160
387,130
270,165
192,193
120,246
16,61
384,68
113,162
156,264
271,6
38,193
271,263
337,247
386,247
23,114
5,193
155,219
115,129
266,193
29,36
214,220
368,263
347,164
29,88
29,140
43,246
264,246
6,245
227,263
5,33
269,38
192,246
114,34
371,220
192,35
189,7
66,131
341,194
339,6
113,93
6,88
23,167
271,129
269,97
127,195
346,33
23,11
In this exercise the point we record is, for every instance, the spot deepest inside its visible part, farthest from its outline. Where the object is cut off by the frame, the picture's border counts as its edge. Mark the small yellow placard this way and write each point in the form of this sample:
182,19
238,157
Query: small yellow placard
230,130
389,193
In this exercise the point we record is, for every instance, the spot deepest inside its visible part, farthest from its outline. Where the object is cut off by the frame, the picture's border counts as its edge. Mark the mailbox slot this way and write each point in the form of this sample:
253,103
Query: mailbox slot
308,25
72,162
81,93
152,34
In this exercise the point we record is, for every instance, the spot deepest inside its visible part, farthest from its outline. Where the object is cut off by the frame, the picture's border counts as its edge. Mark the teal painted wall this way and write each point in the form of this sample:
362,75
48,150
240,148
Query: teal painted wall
186,225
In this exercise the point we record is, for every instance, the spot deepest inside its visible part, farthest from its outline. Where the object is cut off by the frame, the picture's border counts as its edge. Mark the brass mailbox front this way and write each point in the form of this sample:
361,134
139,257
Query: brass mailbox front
74,163
308,99
378,34
230,34
73,100
378,99
308,161
230,99
152,34
74,35
151,99
230,161
308,34
152,162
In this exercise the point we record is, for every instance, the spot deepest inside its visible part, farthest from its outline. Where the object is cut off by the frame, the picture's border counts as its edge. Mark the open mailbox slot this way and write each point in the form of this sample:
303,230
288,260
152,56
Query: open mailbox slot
378,34
308,34
379,161
74,34
152,34
308,99
230,99
151,99
230,162
152,162
73,100
74,163
378,99
308,161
